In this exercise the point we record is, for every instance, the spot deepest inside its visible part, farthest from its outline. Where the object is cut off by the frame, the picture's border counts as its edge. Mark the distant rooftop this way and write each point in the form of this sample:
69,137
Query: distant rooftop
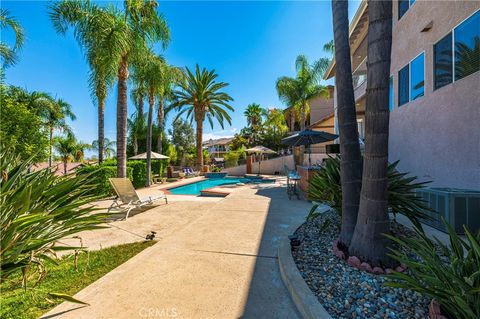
218,141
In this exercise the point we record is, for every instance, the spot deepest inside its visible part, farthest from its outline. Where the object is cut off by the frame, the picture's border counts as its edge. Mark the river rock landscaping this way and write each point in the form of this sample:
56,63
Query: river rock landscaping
344,291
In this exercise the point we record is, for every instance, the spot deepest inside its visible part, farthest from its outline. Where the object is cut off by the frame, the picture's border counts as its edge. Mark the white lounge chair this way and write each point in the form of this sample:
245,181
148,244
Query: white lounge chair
127,198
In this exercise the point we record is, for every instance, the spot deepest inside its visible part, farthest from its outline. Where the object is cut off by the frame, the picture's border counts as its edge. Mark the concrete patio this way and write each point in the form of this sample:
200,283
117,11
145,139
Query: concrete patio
215,258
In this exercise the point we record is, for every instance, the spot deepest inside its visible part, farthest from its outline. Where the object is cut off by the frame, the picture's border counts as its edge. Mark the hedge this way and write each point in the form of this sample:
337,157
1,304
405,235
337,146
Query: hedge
136,172
139,172
100,175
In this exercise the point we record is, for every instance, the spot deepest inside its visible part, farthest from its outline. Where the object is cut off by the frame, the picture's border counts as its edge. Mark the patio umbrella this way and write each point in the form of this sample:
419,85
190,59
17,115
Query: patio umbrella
155,156
309,137
260,150
144,156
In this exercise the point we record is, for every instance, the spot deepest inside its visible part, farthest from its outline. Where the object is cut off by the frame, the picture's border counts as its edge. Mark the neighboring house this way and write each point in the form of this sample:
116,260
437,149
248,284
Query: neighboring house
57,167
218,147
321,118
434,88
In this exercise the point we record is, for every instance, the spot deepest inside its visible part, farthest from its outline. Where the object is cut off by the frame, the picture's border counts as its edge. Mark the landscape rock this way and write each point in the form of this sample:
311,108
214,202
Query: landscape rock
343,290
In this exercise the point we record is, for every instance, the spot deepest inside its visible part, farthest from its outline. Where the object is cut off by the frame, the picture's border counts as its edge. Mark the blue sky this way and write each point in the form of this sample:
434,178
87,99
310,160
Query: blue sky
249,44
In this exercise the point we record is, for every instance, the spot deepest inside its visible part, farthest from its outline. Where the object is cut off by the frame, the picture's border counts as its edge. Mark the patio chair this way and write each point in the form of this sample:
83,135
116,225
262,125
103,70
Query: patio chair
127,198
190,172
292,180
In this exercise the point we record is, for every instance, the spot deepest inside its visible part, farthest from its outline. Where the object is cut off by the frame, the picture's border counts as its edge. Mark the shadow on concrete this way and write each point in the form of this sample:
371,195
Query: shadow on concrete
267,296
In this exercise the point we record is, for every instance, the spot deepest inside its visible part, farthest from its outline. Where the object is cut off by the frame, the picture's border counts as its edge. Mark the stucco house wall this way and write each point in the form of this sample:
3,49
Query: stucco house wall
437,136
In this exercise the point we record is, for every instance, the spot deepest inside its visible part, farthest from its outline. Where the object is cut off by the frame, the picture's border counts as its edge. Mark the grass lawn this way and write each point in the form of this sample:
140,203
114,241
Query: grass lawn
62,278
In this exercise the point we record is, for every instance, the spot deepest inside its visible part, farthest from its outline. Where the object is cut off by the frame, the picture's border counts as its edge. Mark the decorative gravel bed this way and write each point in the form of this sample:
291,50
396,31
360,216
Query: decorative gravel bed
344,291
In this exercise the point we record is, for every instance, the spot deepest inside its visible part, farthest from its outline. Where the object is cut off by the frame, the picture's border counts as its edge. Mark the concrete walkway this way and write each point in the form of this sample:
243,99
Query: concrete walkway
214,260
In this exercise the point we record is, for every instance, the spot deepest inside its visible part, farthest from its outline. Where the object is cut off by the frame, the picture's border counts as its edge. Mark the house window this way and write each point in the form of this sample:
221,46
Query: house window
403,6
457,55
467,47
442,62
390,93
403,85
417,78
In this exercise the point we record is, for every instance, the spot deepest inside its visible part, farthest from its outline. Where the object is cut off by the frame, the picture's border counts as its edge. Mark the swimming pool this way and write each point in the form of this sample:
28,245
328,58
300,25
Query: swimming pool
197,187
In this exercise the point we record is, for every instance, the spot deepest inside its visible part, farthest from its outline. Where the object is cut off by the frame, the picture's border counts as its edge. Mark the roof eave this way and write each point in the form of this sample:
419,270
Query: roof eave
356,18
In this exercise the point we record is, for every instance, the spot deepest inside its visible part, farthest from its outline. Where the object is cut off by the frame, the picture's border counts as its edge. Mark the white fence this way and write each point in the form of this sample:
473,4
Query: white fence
272,166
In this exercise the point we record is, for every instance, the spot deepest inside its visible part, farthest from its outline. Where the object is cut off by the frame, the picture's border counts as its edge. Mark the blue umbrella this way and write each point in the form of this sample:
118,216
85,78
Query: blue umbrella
308,137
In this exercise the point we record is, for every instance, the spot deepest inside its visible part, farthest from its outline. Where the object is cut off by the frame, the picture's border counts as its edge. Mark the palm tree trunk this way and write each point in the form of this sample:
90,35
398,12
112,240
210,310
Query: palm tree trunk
101,129
161,118
65,166
140,105
368,242
351,161
122,118
50,145
199,136
135,144
151,102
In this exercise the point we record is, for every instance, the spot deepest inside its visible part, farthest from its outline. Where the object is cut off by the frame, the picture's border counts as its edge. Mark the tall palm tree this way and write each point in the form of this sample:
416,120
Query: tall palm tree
144,26
297,92
254,113
121,34
108,147
102,40
351,162
149,68
368,242
200,97
170,76
7,53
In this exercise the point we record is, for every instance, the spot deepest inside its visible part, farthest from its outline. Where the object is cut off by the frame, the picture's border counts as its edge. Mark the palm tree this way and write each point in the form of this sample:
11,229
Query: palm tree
121,35
149,68
368,241
276,124
98,34
69,148
351,162
54,113
254,114
297,92
7,53
170,76
108,147
136,128
200,97
143,26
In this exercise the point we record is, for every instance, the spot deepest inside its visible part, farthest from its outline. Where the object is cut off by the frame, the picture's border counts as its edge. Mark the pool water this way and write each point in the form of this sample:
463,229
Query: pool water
197,187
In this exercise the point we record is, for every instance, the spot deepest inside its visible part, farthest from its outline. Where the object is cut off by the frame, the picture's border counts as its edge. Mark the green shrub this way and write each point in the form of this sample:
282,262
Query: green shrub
99,176
448,273
39,208
403,198
139,173
158,167
231,158
173,179
109,162
325,185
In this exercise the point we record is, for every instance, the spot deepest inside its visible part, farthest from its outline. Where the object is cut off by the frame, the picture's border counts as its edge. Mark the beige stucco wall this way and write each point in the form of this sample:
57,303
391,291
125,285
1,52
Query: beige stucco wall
320,108
436,137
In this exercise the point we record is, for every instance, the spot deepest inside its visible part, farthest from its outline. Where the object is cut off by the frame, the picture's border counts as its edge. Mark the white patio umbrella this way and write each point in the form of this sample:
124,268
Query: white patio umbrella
260,150
155,156
144,156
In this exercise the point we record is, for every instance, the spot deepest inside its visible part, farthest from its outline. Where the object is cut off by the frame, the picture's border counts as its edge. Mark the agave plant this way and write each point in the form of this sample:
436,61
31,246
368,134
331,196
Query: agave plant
38,209
403,197
448,273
